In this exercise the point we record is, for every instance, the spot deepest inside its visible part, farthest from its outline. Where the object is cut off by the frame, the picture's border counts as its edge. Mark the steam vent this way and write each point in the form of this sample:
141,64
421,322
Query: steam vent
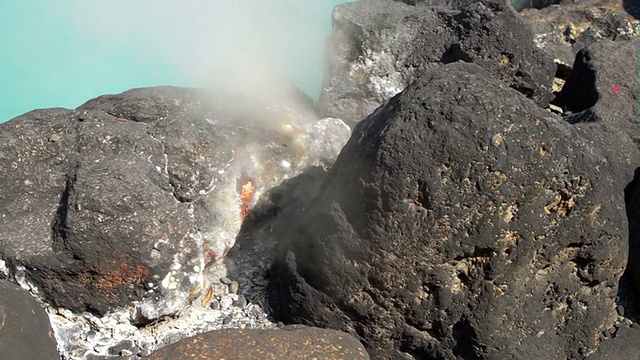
465,187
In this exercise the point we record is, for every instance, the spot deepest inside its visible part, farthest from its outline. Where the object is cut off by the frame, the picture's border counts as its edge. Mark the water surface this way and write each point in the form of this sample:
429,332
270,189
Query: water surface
64,52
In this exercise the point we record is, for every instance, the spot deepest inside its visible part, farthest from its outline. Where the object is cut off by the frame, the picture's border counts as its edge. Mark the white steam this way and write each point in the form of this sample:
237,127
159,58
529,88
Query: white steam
236,45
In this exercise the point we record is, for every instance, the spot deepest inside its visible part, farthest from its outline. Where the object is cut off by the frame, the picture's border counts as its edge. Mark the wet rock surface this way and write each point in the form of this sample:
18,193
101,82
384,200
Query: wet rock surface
379,47
290,342
25,332
450,227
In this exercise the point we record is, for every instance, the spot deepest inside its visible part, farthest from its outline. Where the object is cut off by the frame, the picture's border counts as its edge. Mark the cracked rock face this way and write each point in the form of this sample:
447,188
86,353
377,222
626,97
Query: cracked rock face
128,198
462,221
378,47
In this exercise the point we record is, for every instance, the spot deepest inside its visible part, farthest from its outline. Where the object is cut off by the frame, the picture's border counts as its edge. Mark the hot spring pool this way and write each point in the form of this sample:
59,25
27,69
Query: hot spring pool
62,53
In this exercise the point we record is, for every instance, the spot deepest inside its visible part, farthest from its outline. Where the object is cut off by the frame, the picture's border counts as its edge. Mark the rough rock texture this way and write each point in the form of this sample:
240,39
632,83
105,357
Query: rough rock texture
130,196
603,86
622,346
563,30
462,221
602,90
25,332
528,4
290,342
378,47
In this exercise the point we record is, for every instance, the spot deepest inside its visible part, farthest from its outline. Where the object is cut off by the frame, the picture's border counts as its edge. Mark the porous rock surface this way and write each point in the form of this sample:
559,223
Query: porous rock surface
125,200
462,221
290,342
378,47
601,97
563,29
603,86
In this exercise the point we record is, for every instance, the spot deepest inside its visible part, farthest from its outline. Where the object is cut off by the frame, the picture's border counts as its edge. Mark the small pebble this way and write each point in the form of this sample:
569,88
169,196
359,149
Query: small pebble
215,304
54,137
227,320
90,336
104,341
241,302
620,310
101,349
78,352
607,334
126,353
225,303
225,280
233,287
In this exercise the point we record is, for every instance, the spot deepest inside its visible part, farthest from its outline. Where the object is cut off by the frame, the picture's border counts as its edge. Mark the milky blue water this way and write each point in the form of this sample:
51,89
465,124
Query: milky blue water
60,53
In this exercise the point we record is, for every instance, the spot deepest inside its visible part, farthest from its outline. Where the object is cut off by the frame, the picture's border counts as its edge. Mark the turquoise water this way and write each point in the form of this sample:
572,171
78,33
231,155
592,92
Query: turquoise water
64,52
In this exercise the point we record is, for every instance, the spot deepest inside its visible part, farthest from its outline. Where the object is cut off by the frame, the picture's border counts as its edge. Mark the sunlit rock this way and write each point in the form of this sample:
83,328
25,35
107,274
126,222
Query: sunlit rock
564,29
461,221
378,47
140,192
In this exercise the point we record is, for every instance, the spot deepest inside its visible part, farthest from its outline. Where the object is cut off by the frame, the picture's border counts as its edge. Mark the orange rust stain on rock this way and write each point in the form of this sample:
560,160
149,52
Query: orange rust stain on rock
113,273
246,188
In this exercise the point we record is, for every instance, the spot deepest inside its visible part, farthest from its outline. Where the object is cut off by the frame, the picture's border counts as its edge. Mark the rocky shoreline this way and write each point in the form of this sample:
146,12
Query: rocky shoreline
485,205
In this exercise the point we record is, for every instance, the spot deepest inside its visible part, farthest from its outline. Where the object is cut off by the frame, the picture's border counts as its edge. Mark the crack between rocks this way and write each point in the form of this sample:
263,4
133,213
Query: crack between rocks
165,171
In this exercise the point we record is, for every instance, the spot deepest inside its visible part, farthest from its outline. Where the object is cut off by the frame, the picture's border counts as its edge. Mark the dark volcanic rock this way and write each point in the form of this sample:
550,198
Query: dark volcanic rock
603,86
624,345
536,4
462,221
379,47
563,30
25,332
131,195
452,4
290,342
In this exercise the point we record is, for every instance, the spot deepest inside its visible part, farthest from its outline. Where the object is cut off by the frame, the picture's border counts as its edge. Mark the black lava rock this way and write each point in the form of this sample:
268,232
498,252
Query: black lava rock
25,331
379,47
98,203
462,221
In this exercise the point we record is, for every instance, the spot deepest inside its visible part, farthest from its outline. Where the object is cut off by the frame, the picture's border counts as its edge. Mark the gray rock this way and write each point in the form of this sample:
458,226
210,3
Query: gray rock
528,4
461,221
622,346
378,47
563,30
142,190
291,342
603,86
25,331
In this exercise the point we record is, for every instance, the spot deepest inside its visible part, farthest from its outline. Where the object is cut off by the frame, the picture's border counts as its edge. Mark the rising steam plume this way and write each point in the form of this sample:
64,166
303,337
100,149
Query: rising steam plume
247,46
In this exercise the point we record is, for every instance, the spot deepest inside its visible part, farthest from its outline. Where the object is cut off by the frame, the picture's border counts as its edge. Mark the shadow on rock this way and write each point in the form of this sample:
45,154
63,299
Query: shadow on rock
632,8
629,283
257,243
620,341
